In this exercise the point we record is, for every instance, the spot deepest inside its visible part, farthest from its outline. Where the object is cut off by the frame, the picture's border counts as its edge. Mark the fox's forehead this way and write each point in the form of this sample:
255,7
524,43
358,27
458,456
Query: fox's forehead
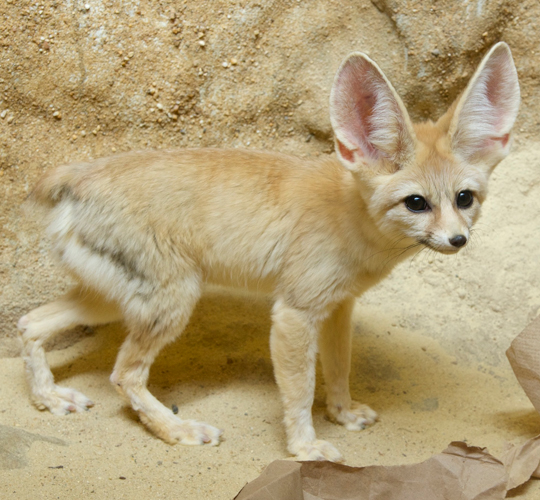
435,167
433,142
436,173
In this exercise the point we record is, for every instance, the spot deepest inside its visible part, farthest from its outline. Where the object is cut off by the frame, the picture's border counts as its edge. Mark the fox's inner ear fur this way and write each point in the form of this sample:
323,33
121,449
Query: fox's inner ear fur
485,113
370,122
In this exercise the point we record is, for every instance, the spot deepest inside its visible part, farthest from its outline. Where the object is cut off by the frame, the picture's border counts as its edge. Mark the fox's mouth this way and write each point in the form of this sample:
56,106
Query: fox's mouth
447,250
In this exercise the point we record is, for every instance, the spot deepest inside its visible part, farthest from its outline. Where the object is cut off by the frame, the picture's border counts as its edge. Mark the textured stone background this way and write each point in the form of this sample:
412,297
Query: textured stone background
84,79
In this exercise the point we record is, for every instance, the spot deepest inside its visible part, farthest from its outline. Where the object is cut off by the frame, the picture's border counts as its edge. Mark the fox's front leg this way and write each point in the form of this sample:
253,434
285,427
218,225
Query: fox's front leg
335,353
293,343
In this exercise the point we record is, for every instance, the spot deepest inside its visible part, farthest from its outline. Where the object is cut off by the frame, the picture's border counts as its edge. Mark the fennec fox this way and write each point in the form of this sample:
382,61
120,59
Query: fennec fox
143,232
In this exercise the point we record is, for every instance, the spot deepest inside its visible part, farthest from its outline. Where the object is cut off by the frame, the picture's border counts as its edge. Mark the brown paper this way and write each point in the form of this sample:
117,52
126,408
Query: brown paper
461,472
522,462
524,357
281,480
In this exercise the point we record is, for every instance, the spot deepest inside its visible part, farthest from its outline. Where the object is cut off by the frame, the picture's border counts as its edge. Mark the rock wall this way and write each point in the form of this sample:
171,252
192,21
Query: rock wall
84,79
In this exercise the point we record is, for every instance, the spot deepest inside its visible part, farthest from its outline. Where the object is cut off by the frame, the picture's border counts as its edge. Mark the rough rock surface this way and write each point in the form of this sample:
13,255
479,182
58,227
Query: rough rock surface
81,80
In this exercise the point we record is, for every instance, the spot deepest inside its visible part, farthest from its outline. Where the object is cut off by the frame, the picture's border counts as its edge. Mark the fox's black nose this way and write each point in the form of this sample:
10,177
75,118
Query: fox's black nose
458,241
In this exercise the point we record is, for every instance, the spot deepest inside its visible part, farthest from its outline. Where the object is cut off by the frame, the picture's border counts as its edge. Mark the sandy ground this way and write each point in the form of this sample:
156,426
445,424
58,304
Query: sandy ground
428,355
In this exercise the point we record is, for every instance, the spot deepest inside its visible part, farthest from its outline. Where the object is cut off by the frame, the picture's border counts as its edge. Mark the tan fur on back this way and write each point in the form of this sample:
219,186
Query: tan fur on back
243,218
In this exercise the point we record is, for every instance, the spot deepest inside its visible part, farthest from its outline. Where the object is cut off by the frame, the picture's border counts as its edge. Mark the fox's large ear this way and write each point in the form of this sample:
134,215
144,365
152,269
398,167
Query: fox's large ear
370,122
487,109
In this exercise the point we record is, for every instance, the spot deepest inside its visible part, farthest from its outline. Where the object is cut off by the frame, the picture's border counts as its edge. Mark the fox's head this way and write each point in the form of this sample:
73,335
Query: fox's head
424,183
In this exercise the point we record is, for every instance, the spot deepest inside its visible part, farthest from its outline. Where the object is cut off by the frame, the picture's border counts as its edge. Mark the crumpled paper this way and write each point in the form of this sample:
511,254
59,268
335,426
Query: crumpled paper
524,357
522,462
461,472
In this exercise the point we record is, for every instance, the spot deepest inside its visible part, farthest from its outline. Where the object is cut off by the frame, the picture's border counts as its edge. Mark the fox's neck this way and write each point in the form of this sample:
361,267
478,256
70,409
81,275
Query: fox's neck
376,251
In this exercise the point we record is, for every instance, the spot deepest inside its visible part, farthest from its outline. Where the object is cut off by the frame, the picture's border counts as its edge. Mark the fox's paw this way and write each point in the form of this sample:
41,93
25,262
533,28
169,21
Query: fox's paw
188,432
62,400
317,450
356,418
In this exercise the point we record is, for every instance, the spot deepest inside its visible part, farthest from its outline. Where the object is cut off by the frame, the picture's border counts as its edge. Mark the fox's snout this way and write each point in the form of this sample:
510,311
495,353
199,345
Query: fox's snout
458,241
448,243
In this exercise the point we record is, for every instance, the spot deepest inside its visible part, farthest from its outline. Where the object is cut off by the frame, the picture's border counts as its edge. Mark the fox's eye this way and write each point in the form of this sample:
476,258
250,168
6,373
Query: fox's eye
464,199
416,203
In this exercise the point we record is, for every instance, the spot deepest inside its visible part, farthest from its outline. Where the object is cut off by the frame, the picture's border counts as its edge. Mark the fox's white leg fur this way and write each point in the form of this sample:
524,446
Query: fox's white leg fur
78,307
335,355
150,331
293,343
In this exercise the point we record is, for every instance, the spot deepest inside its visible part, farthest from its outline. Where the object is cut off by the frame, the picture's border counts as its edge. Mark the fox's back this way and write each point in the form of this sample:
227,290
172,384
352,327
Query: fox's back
241,217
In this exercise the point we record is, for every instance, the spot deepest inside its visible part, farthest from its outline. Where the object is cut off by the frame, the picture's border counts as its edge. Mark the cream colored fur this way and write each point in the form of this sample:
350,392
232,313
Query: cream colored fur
143,232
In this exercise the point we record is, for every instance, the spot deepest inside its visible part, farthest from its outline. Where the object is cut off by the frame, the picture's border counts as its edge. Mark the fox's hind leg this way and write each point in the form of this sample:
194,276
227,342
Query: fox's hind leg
154,321
78,307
